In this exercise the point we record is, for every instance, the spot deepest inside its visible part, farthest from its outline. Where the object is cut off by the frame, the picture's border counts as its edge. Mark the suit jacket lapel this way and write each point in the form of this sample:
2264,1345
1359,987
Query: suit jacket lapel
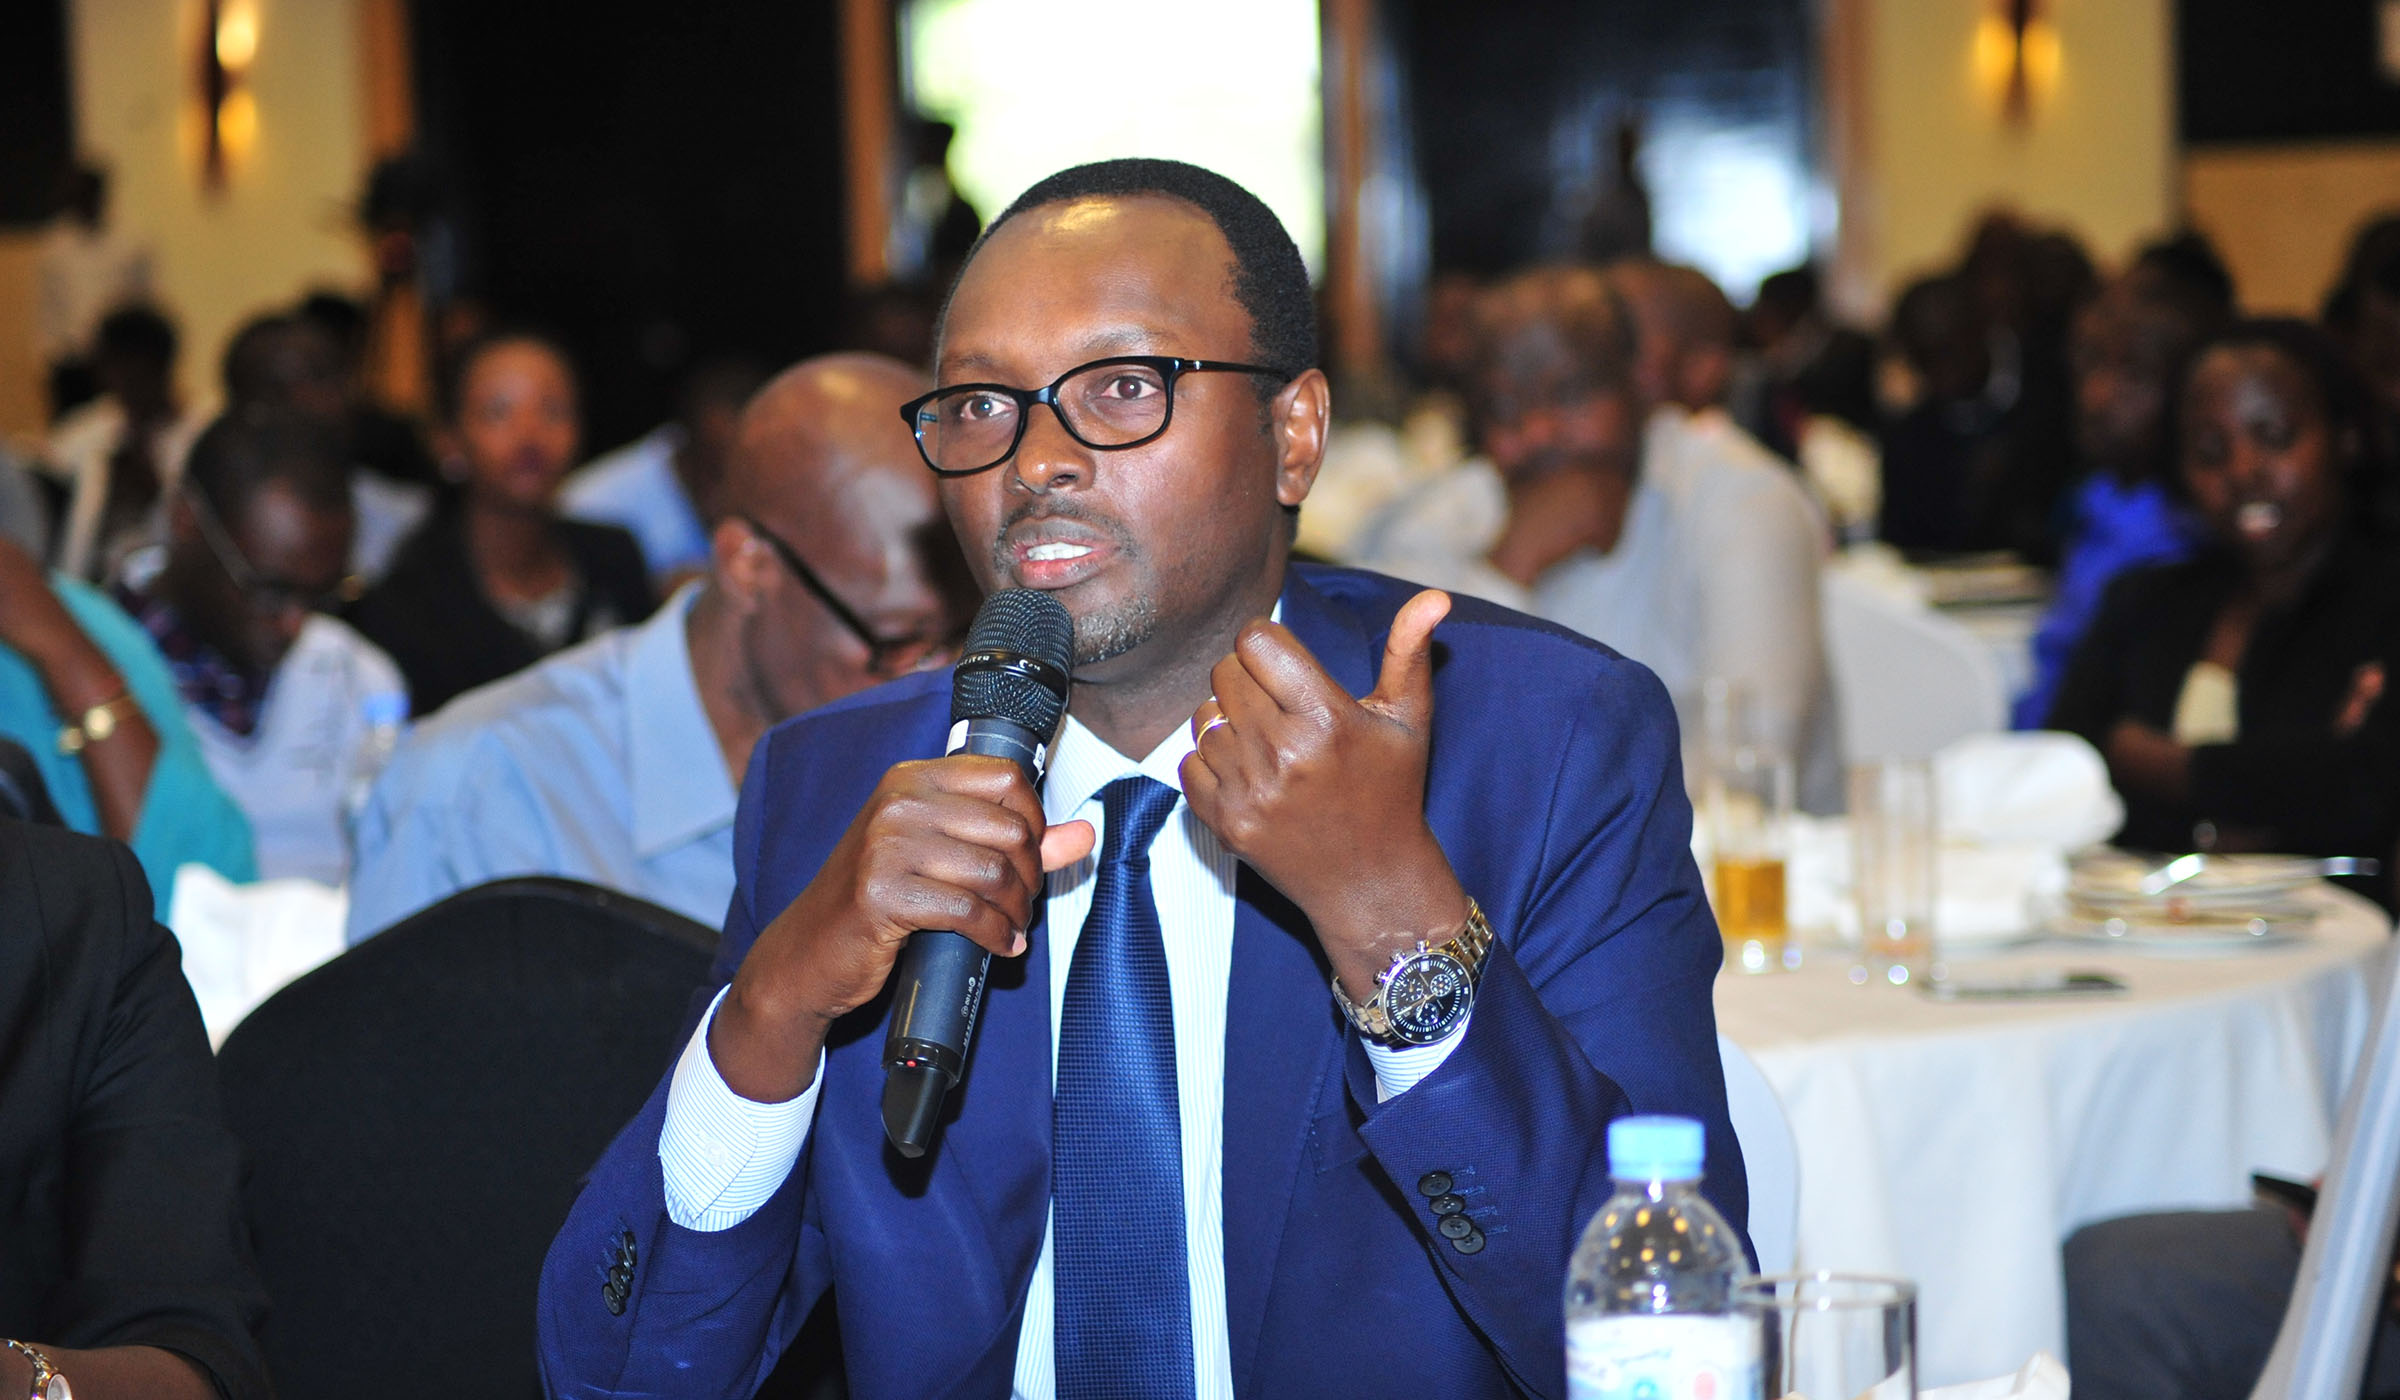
1282,1033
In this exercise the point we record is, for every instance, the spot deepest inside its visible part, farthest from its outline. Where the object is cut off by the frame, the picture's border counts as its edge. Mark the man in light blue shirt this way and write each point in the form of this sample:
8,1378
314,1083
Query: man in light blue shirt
617,762
661,485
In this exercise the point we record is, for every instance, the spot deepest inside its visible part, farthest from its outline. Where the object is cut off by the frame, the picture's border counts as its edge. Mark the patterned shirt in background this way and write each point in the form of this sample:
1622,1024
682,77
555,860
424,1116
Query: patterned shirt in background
206,679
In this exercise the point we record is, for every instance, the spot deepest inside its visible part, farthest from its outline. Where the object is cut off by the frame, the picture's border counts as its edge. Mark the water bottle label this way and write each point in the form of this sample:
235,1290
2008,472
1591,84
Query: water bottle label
1669,1357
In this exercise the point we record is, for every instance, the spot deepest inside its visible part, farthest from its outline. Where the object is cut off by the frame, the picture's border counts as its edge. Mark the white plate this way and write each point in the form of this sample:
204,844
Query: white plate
2113,880
2210,933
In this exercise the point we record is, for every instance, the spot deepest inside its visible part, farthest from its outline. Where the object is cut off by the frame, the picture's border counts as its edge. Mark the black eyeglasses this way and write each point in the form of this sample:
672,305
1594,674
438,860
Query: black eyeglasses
886,656
265,596
1108,405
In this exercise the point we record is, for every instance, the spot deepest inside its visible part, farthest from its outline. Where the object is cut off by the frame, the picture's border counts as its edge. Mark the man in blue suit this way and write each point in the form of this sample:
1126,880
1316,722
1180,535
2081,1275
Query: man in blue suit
1325,954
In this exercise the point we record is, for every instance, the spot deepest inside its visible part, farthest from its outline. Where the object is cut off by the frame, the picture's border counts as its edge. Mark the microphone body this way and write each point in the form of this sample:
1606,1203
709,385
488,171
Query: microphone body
1006,701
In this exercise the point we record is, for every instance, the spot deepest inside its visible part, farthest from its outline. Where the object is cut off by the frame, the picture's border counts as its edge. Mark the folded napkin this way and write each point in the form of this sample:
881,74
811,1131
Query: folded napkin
1981,893
2035,789
242,943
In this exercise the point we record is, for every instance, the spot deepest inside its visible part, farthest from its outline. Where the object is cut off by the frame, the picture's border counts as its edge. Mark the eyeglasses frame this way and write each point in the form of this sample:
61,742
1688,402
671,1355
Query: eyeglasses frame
245,575
880,649
1169,368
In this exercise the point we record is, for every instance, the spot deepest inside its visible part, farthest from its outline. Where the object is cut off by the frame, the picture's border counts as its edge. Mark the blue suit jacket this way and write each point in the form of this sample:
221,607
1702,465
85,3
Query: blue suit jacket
1556,792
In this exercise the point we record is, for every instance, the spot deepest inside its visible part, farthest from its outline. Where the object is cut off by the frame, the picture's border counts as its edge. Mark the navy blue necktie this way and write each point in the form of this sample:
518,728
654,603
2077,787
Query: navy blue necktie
1121,1279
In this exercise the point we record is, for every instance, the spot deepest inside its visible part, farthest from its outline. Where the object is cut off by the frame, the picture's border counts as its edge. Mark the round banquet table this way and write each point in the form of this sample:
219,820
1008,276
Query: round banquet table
1960,1143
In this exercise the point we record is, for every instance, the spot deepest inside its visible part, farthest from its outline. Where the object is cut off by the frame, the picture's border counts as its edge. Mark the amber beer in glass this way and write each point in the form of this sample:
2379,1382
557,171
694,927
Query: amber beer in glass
1748,807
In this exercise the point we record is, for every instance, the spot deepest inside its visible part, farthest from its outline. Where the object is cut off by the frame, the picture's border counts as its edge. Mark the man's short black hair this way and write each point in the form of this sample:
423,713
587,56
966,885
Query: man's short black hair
1269,279
250,447
141,333
272,357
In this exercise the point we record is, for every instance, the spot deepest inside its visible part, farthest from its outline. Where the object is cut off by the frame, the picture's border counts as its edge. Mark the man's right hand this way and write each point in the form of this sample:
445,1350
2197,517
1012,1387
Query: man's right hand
954,843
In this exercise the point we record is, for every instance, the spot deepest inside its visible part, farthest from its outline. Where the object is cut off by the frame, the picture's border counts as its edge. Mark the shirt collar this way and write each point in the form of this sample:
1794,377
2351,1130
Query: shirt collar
681,791
1081,763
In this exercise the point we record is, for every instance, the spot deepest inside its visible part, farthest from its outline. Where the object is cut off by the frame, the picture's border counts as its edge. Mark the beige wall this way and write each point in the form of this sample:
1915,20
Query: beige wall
22,373
280,225
1920,147
2282,216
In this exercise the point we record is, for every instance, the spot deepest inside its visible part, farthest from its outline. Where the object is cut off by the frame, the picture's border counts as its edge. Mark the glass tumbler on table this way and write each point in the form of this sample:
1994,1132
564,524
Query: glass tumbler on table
1895,845
1848,1336
1747,803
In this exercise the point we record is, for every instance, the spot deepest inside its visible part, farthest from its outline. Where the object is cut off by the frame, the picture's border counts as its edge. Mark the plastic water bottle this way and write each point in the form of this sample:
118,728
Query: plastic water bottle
386,715
1650,1290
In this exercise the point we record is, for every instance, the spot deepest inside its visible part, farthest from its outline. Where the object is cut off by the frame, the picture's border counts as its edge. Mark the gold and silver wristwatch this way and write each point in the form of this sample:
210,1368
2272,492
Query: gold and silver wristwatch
48,1384
1427,991
96,724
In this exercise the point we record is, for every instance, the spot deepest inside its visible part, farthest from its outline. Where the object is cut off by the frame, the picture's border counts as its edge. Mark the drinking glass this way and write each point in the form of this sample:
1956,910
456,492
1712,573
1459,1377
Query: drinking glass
1894,854
1835,1336
1747,801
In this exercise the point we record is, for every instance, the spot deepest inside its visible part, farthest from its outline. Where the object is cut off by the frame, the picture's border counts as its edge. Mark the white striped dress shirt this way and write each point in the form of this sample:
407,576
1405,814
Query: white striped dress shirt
724,1155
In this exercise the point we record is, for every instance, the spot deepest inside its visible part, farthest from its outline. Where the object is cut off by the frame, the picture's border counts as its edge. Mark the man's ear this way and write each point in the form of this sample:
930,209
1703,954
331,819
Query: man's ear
1707,375
449,453
183,525
1301,415
740,565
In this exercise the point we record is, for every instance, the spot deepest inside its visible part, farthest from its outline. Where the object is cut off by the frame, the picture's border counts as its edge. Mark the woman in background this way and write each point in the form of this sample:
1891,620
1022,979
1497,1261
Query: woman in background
2239,695
499,580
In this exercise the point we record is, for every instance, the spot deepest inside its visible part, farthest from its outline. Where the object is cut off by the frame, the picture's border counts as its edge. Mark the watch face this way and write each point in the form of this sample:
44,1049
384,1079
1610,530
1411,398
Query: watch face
1427,996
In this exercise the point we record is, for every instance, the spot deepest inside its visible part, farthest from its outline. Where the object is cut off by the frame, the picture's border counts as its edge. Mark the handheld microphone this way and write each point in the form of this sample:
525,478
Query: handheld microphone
1006,697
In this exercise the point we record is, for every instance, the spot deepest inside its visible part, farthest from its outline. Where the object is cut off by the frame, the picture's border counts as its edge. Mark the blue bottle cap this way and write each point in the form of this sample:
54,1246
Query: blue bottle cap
1655,1148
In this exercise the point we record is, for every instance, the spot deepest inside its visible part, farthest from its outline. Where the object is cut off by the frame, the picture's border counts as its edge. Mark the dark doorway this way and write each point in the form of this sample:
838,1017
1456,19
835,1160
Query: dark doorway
651,183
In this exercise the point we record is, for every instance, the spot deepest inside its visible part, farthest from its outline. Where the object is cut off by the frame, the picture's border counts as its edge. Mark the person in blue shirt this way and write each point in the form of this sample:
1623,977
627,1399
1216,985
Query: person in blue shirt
2130,347
616,762
87,695
663,486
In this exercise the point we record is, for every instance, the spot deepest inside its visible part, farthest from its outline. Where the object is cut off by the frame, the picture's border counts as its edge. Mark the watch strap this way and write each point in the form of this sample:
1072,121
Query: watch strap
43,1371
1469,946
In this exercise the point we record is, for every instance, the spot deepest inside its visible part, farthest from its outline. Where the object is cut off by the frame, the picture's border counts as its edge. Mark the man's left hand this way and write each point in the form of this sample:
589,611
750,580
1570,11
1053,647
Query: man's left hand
1324,795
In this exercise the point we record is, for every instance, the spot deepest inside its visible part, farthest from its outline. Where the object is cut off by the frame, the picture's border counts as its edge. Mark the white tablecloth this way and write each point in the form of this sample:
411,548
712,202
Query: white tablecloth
1959,1144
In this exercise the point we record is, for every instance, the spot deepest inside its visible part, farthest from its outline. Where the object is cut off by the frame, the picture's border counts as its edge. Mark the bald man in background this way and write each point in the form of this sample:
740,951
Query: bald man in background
618,762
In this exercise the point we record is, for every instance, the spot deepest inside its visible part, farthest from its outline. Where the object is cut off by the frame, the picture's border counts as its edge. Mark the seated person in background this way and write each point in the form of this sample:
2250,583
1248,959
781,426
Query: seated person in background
1670,535
2187,1304
83,689
285,699
497,580
616,762
1811,365
385,443
285,363
2239,696
128,1269
1946,454
120,455
663,485
2129,353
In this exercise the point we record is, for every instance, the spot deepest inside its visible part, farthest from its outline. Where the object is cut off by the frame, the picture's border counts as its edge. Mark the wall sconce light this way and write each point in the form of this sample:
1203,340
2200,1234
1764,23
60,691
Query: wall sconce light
229,125
2016,57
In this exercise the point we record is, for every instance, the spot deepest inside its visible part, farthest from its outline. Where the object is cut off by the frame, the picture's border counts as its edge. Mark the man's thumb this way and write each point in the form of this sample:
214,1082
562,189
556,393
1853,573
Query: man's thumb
1404,689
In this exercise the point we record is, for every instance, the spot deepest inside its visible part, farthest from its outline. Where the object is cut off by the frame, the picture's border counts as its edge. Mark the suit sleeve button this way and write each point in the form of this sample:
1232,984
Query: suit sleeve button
1434,1184
1448,1204
1468,1243
1455,1227
614,1297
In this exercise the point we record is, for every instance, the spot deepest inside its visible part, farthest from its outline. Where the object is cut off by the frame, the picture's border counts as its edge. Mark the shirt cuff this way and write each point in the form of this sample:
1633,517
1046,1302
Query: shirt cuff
721,1155
1399,1067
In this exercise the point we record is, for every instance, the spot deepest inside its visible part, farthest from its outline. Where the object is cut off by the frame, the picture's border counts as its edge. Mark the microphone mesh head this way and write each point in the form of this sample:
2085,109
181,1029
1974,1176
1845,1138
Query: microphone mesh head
1020,622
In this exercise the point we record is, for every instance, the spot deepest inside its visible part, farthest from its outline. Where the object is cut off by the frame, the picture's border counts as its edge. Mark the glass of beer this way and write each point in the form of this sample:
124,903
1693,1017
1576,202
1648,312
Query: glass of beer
1747,803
